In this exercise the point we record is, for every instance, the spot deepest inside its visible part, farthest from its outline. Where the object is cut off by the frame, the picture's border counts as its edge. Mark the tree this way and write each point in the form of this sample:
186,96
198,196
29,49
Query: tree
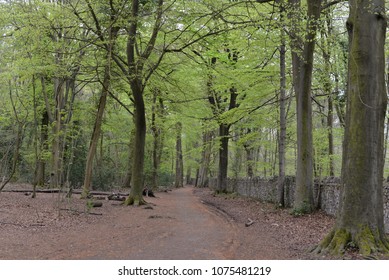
282,130
108,41
360,216
302,80
202,177
135,75
158,135
179,182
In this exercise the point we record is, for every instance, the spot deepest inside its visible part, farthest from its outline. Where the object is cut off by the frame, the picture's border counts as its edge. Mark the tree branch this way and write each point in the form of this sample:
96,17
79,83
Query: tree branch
329,4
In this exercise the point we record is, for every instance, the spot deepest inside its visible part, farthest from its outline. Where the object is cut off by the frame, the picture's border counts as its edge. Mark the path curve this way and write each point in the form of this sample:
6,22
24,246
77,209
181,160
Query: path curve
176,226
190,230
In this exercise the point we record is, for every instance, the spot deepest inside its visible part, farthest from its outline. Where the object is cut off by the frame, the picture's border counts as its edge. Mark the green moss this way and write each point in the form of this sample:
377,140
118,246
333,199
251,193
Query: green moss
134,200
340,240
365,240
369,241
327,240
302,209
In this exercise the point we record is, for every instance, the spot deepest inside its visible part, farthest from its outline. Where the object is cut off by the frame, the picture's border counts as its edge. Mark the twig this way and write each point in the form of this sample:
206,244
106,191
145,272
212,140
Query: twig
249,222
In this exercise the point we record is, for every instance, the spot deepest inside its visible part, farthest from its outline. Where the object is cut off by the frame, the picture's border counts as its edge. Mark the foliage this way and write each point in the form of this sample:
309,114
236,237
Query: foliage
191,35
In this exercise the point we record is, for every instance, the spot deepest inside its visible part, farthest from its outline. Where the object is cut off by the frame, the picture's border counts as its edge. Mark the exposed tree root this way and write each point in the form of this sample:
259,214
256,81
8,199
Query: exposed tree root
134,200
365,240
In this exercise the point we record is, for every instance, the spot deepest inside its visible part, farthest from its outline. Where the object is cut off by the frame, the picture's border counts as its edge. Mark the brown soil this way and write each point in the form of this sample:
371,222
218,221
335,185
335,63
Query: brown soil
185,223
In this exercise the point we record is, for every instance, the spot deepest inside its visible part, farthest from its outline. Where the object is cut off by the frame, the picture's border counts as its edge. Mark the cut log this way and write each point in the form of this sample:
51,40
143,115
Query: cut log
65,190
94,204
116,197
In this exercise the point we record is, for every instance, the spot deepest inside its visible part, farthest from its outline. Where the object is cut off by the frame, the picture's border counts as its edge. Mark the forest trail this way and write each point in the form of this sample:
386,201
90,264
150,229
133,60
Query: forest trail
183,224
179,226
187,229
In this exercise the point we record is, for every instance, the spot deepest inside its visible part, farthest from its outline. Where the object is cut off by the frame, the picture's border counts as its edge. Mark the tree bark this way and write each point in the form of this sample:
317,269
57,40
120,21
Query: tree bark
96,134
43,146
136,62
360,216
112,35
158,138
57,124
282,129
135,196
202,178
224,134
179,182
128,178
326,49
302,78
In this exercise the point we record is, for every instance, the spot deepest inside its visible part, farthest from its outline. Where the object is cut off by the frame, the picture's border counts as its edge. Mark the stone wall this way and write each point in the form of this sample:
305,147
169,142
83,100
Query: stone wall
326,192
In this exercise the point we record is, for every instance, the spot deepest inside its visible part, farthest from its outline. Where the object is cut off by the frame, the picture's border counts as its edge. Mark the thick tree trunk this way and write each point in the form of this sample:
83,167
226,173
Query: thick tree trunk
135,196
302,78
224,131
179,182
360,216
136,62
282,131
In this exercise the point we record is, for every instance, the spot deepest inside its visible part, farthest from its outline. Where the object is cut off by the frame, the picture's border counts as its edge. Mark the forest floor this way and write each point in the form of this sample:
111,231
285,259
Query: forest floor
185,223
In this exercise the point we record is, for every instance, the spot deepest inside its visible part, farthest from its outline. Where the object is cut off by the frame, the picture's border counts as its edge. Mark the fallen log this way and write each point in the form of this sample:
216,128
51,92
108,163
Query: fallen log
78,191
94,204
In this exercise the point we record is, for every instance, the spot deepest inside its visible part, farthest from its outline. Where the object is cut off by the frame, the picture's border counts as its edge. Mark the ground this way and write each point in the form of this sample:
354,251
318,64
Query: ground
186,223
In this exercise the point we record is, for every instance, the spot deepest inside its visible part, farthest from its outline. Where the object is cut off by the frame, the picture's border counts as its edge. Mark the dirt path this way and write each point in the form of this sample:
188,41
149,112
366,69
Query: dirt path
178,227
184,224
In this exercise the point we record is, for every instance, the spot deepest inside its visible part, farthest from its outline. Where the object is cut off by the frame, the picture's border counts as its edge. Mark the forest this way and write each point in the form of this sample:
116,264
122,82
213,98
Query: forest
134,93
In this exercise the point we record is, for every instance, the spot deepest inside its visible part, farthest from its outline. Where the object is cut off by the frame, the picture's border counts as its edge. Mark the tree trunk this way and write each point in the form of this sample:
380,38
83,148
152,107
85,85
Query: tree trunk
179,182
282,133
250,161
326,49
158,138
135,196
360,215
302,78
224,131
18,141
188,177
43,146
128,178
135,75
330,126
202,180
113,31
96,132
57,122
